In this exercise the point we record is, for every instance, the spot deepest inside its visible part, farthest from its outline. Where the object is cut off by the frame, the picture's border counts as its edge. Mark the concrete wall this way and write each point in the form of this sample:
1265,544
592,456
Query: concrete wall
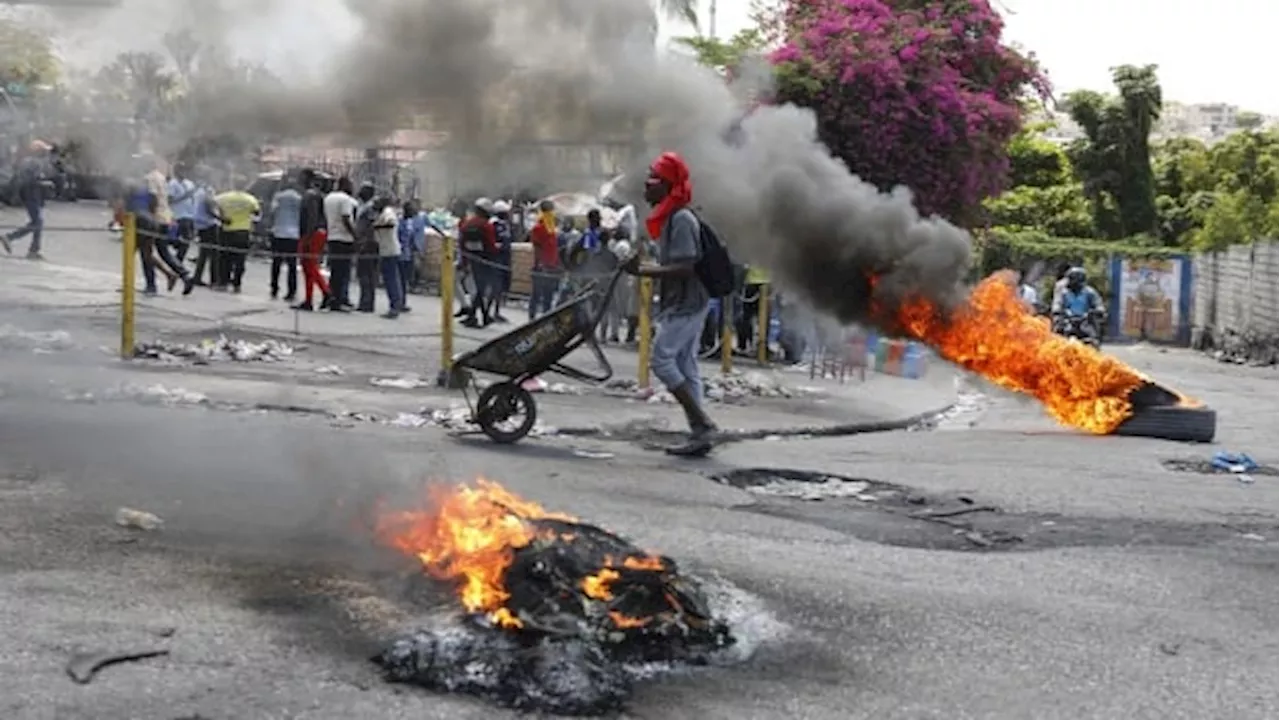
1235,308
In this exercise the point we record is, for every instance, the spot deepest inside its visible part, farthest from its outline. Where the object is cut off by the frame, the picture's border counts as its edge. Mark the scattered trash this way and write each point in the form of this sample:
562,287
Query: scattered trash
538,385
1170,649
160,394
1246,479
592,454
409,420
404,382
1253,536
736,386
83,667
138,519
208,351
1233,462
330,370
1247,348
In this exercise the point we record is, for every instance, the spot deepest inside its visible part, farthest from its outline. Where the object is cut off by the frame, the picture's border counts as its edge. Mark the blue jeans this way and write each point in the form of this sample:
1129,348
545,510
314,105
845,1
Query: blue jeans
406,278
34,226
675,350
543,292
390,267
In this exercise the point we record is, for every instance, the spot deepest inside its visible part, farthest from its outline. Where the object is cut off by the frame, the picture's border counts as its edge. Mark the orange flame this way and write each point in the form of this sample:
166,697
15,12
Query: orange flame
995,336
469,535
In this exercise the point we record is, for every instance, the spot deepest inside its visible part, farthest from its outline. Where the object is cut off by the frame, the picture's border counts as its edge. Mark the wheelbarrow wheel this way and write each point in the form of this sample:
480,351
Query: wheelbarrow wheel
506,412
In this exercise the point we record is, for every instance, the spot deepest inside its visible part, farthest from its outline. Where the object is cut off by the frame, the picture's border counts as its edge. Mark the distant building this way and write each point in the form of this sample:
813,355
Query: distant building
1206,122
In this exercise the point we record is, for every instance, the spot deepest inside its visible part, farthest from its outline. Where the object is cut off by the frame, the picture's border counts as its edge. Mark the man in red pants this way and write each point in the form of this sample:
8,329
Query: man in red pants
314,237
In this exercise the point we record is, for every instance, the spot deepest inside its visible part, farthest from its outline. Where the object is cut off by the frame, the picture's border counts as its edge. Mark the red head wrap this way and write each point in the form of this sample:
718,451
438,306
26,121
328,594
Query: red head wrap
671,168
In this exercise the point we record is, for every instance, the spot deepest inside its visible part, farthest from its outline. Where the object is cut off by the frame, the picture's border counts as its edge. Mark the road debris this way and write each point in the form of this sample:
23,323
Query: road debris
220,350
404,382
735,387
330,370
138,519
84,666
38,341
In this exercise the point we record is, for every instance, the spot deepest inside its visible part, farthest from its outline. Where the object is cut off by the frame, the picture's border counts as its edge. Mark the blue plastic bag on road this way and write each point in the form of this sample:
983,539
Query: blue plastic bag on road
1233,462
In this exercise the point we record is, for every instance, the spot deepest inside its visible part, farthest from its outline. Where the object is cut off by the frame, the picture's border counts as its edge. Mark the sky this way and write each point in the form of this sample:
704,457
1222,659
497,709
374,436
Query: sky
1220,51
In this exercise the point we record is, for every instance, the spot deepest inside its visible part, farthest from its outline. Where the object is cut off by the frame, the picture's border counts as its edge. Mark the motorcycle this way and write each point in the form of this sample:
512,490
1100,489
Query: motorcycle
1082,328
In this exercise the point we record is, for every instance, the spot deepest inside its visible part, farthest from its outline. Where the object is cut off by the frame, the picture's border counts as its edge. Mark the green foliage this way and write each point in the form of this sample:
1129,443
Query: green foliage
28,58
1061,210
1020,247
1249,121
725,54
1114,159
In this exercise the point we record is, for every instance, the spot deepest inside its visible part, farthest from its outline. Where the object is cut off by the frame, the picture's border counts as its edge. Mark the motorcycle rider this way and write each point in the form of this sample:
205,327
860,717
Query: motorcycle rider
1078,299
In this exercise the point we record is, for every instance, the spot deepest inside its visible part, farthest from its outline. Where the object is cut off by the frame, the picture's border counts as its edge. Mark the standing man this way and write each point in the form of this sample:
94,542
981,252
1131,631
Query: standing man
479,244
502,271
238,210
286,228
367,255
546,260
683,299
384,231
312,239
412,234
182,201
340,218
30,180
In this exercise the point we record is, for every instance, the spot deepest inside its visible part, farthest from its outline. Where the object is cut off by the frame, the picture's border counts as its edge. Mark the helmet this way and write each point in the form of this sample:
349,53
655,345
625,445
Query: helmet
501,206
484,204
1076,276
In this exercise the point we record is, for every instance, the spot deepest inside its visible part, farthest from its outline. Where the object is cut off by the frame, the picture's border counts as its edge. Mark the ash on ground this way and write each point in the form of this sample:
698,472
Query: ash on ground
579,652
210,351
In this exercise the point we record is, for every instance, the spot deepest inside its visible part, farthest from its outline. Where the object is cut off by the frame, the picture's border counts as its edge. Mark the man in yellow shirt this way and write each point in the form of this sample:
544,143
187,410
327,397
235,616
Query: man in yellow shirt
238,210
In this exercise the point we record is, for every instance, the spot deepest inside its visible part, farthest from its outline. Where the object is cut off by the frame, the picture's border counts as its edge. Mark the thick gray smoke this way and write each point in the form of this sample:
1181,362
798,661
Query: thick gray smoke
491,72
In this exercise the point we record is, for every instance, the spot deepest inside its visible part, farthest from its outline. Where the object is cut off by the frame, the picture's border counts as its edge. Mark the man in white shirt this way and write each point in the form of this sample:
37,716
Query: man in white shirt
339,214
182,201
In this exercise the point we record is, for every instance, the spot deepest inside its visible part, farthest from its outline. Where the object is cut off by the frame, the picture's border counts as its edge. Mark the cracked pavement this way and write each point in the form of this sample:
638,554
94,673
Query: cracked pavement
1152,593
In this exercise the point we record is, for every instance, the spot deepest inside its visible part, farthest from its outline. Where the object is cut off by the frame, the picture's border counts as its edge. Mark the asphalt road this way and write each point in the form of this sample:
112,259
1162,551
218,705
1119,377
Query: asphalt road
1141,593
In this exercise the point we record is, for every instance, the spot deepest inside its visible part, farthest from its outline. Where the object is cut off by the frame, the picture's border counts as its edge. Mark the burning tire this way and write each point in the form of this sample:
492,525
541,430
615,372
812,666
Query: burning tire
1171,422
506,412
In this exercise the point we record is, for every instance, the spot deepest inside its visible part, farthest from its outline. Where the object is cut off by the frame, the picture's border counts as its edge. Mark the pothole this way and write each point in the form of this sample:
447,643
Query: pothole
891,514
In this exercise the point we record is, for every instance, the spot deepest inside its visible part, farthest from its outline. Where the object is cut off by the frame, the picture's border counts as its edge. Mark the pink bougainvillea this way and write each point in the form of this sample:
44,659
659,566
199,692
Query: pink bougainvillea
910,92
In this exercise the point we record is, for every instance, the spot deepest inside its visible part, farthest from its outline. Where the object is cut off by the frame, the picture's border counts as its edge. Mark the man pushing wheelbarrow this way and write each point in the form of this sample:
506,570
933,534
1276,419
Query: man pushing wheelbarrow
692,267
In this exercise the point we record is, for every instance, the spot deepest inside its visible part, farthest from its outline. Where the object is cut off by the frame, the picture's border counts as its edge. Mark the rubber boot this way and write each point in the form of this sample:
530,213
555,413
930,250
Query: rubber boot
700,426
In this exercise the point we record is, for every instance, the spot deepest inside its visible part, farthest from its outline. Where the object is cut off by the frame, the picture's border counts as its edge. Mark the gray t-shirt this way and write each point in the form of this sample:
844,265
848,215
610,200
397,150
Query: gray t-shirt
681,242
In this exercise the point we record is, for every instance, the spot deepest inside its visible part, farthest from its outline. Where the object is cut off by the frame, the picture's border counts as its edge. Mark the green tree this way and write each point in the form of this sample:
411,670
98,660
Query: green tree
1249,120
725,54
27,58
1114,158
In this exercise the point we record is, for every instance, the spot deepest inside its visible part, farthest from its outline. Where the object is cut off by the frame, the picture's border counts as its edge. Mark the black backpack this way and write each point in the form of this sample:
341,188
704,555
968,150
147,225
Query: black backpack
714,267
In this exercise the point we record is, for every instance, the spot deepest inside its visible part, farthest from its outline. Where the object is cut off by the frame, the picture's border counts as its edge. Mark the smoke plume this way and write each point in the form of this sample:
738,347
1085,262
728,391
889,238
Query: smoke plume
490,73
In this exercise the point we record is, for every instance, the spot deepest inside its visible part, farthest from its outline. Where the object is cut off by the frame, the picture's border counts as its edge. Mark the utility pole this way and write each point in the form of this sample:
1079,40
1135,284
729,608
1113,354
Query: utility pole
711,21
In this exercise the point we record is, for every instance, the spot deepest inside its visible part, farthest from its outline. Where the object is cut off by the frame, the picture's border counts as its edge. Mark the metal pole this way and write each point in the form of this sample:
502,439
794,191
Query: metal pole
762,326
726,335
447,259
711,24
646,329
127,284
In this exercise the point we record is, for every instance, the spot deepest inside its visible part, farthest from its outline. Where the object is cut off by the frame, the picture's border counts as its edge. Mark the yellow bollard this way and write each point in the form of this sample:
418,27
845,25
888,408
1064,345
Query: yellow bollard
762,326
726,335
447,259
645,328
128,283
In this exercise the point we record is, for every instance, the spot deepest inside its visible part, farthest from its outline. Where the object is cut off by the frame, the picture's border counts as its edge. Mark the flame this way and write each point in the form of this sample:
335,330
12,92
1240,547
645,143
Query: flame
995,336
469,536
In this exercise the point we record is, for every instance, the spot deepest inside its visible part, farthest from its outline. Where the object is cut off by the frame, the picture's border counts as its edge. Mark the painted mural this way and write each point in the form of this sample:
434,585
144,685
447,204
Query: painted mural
1151,302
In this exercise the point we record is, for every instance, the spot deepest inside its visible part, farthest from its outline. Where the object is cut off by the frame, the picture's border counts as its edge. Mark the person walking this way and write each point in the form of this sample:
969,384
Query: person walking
384,230
182,201
479,244
313,238
29,182
501,277
139,202
339,215
238,210
286,228
208,229
683,299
